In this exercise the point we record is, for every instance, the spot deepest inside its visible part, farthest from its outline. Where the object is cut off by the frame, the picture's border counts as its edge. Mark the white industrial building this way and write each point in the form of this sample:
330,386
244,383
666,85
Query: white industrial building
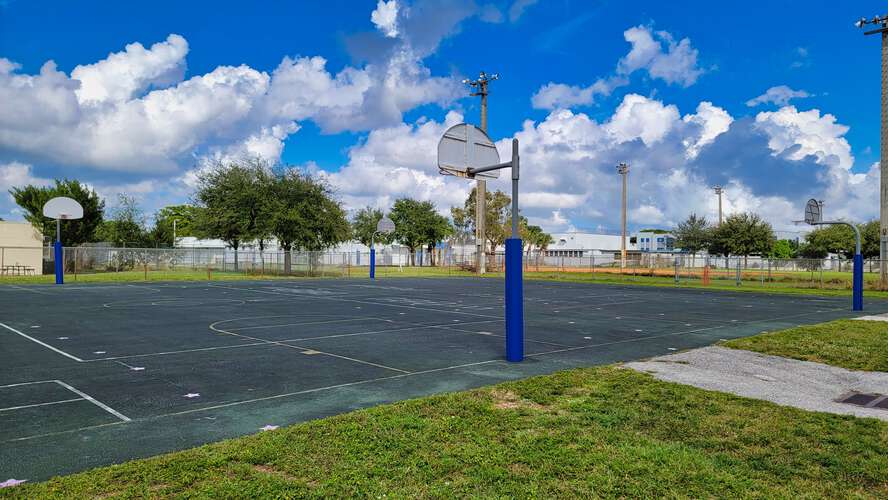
575,244
21,249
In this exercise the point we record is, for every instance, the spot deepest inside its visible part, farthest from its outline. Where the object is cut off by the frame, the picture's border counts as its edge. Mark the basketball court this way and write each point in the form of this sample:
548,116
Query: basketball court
99,374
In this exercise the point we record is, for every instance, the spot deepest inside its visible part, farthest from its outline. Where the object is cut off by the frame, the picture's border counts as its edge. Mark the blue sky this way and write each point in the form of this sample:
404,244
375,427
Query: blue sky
739,52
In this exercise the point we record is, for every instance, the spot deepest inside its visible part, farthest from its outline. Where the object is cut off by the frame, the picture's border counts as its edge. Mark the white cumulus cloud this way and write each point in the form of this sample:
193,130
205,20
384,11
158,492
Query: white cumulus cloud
122,75
655,52
385,17
779,95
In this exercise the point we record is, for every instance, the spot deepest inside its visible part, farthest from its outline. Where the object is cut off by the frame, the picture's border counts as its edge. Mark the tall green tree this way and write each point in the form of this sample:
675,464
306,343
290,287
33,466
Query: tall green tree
364,226
693,234
74,232
784,249
743,234
869,233
536,239
840,239
498,222
305,216
126,226
186,221
418,224
837,238
234,199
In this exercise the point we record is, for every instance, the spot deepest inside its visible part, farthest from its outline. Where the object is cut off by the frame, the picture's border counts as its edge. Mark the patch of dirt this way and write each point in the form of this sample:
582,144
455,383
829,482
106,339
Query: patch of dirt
268,469
508,400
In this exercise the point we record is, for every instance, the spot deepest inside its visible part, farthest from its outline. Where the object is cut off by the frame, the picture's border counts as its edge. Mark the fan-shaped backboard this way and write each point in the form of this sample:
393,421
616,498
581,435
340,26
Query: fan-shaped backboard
466,146
385,226
813,212
63,208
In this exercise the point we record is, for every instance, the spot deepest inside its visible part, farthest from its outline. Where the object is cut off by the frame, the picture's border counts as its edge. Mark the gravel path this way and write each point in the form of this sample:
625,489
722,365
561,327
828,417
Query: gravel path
802,384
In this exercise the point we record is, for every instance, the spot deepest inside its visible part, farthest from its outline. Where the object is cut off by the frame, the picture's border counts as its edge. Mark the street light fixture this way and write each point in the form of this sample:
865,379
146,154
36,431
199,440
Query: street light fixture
479,87
623,170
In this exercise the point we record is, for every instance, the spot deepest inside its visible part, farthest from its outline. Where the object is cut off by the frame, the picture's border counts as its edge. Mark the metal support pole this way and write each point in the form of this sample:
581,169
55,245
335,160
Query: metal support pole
372,261
881,27
514,279
857,279
623,169
883,182
59,255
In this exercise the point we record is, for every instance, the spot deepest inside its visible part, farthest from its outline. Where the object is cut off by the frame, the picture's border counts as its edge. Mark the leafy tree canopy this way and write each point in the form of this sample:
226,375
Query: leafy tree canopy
743,234
233,197
74,232
305,215
785,249
693,235
498,222
126,227
364,226
186,221
417,223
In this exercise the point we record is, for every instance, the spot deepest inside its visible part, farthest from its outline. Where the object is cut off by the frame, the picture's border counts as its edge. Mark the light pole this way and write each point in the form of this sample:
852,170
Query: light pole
174,232
480,89
881,26
719,190
623,169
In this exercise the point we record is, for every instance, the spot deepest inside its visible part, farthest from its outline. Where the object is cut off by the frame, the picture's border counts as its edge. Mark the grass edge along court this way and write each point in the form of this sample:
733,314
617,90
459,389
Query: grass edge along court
602,431
850,344
832,286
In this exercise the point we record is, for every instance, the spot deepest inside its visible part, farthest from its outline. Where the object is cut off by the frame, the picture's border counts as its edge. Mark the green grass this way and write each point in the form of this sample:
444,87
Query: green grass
851,344
833,285
597,432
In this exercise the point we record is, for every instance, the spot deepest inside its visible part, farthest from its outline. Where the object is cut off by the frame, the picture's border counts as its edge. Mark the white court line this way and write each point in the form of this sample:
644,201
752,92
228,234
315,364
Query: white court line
449,327
339,299
42,404
593,304
28,290
376,332
302,324
263,342
183,351
293,346
94,401
28,383
44,344
59,433
325,388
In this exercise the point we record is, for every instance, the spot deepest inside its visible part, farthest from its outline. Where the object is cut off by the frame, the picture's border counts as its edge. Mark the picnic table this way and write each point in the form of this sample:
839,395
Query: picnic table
16,270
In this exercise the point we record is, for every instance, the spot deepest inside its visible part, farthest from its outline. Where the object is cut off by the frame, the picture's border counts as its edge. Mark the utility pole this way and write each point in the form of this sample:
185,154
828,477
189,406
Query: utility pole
174,232
480,89
881,25
719,190
623,169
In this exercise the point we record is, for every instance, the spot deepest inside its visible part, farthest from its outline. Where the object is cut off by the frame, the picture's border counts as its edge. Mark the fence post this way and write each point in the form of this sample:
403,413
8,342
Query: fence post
738,271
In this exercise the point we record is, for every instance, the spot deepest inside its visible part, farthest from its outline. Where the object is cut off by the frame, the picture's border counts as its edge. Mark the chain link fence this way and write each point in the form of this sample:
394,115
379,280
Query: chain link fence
207,263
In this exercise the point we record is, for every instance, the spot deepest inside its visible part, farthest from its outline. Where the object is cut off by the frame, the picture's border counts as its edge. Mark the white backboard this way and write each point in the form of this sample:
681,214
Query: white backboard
63,208
385,226
813,212
466,146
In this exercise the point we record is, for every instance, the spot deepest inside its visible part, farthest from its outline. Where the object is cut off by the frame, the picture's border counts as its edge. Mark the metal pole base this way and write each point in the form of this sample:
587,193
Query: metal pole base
514,302
857,284
59,263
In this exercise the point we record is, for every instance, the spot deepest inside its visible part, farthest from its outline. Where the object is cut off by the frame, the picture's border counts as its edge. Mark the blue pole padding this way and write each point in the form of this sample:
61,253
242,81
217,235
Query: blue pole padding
59,263
857,284
372,263
514,301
